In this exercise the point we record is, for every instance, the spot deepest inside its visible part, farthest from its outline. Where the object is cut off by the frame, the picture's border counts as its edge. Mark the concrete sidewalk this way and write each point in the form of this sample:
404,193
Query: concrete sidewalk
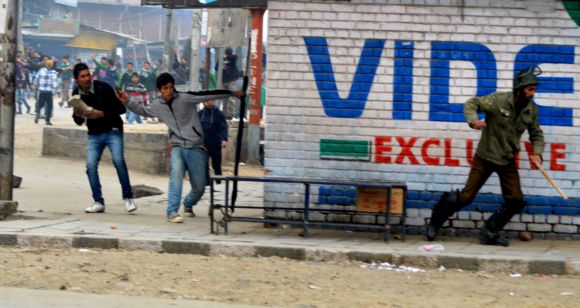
55,191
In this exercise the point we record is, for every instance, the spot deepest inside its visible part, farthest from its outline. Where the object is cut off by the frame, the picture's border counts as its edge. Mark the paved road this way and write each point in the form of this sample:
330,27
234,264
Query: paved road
26,298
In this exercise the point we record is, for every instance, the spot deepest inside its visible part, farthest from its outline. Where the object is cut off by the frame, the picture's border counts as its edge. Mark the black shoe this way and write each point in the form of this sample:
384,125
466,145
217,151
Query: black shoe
48,123
218,181
60,104
431,232
486,237
36,120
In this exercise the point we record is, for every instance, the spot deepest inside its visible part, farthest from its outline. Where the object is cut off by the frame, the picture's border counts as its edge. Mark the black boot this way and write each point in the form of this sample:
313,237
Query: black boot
445,207
488,237
489,234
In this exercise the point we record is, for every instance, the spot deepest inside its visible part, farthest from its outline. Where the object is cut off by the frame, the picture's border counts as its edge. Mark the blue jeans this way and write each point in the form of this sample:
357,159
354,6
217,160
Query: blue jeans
194,160
95,146
132,117
21,99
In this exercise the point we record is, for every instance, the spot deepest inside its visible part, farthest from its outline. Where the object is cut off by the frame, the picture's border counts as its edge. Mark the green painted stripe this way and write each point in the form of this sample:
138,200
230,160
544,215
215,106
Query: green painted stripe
573,8
345,149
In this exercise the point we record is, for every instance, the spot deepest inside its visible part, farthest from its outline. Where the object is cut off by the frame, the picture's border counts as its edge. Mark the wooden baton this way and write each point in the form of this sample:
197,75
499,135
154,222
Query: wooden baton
549,178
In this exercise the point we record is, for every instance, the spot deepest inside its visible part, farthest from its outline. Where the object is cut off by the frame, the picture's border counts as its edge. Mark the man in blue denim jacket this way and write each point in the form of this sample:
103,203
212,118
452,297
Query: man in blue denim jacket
179,112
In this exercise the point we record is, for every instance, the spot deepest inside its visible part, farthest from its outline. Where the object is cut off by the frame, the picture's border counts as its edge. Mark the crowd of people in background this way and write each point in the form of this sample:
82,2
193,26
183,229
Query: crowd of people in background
39,77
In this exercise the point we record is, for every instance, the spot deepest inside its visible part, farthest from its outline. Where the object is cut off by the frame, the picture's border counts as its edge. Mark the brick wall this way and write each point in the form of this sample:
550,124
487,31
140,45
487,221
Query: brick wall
366,89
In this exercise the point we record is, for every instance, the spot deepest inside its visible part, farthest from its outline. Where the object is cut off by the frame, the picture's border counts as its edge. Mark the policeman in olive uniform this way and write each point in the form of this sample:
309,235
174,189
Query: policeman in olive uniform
507,116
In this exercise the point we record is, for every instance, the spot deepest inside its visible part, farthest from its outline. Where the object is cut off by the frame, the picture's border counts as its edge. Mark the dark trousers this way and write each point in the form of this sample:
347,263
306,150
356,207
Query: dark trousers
481,170
215,153
44,100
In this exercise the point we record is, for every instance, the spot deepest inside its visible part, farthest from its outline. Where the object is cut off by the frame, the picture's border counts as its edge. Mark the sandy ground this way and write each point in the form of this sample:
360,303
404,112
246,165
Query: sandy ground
274,281
258,281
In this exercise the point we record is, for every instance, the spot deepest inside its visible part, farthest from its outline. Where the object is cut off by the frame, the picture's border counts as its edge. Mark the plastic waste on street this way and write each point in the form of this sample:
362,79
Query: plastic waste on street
432,247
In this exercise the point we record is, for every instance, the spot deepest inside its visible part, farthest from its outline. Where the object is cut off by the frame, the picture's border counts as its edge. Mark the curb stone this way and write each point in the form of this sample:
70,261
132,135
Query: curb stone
548,266
8,239
35,240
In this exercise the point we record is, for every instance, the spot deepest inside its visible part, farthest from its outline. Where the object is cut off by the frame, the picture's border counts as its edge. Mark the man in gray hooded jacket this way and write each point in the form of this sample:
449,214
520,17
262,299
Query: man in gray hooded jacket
179,112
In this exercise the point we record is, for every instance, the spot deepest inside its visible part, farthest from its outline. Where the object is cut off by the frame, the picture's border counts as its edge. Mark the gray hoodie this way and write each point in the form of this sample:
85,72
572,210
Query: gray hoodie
180,115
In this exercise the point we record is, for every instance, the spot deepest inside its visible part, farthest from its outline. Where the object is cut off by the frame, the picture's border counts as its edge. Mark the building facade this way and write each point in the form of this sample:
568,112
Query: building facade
374,89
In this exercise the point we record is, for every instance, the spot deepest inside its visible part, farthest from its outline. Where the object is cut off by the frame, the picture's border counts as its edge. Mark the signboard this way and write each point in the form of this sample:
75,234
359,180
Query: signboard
375,200
177,4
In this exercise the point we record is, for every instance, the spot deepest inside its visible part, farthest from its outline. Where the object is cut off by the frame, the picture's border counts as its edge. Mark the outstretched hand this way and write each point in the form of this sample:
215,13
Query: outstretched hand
122,96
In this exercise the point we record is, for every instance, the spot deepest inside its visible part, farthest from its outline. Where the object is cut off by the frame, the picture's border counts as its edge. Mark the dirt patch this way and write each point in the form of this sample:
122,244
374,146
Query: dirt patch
274,281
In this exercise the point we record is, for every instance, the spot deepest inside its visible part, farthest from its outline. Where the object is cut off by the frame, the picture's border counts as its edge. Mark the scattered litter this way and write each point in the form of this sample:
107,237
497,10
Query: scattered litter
391,267
512,293
442,268
541,276
431,247
84,250
566,293
314,287
515,275
113,227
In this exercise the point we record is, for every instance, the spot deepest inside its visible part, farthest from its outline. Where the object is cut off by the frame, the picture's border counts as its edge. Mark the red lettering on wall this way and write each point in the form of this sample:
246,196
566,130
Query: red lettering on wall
381,149
555,155
530,151
425,151
469,151
384,147
448,160
406,150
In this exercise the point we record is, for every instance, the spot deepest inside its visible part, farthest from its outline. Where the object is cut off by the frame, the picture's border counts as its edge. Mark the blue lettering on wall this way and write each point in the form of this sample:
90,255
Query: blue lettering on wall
403,80
354,105
442,53
538,54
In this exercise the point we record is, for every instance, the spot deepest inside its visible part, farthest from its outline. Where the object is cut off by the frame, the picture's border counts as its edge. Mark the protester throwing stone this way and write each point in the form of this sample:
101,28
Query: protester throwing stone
507,116
179,112
105,129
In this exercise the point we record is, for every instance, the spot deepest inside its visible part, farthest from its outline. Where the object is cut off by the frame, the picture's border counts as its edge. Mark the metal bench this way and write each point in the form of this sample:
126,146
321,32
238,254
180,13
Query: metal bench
228,216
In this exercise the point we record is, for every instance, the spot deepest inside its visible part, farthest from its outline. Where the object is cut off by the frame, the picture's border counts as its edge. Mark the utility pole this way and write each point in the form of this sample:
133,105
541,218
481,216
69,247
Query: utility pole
20,39
8,22
255,116
168,54
195,42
